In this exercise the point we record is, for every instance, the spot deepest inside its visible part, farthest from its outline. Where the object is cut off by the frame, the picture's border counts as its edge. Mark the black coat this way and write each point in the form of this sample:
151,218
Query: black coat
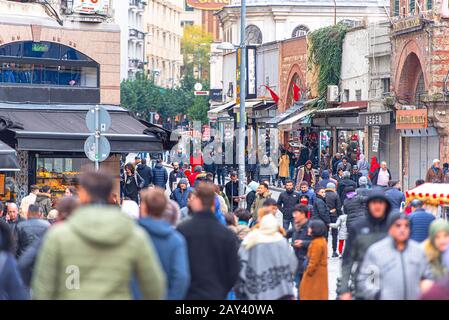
342,185
355,209
321,210
146,173
213,257
250,197
231,191
376,176
160,176
301,252
333,202
355,177
29,231
174,176
286,202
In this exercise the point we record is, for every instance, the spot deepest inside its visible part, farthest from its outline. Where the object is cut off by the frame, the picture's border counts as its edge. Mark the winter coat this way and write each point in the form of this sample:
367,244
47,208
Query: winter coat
341,226
321,210
333,202
29,231
11,285
213,258
258,203
315,283
434,177
132,186
27,261
365,231
160,176
300,178
232,190
397,273
26,202
171,248
250,197
396,198
265,170
146,173
286,202
420,221
300,233
310,194
43,201
174,178
355,177
355,209
97,243
342,185
325,179
284,163
260,265
181,196
376,176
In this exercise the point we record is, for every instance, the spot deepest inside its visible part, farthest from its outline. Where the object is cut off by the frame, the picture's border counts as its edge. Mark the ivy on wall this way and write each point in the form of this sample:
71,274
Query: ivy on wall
325,53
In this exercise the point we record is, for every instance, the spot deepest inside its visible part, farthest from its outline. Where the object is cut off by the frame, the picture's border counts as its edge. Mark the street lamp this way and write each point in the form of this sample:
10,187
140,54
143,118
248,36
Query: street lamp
242,129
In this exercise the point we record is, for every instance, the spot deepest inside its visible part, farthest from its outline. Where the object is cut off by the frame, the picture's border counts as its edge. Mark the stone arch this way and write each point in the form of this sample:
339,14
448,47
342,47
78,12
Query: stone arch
295,75
409,72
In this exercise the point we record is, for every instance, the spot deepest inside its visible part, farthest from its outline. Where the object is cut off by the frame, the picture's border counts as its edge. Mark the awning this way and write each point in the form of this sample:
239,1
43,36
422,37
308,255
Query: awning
302,118
293,110
8,158
249,104
57,128
339,110
213,113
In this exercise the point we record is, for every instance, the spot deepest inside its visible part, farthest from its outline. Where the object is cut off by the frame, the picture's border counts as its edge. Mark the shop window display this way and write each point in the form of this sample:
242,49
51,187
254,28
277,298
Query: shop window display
350,143
8,187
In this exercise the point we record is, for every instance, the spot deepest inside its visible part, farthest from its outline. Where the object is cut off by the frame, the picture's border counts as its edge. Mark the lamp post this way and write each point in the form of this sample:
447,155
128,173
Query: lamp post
242,129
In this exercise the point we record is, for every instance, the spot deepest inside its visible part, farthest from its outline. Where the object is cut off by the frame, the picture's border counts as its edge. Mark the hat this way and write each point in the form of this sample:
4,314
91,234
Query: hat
395,217
183,181
437,226
331,185
363,181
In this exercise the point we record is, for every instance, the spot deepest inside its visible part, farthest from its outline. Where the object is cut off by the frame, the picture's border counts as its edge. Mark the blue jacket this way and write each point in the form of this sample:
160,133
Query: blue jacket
310,194
325,179
181,197
160,176
172,251
396,197
420,221
11,285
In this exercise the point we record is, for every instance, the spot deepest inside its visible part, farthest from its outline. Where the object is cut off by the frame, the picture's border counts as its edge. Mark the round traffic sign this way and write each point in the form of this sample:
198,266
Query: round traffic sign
104,149
198,86
104,119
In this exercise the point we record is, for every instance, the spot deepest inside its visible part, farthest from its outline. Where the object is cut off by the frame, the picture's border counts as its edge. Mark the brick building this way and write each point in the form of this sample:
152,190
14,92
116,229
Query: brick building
420,54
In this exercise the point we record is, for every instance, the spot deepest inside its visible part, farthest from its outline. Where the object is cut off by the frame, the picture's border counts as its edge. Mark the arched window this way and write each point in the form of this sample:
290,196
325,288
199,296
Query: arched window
253,35
46,63
300,31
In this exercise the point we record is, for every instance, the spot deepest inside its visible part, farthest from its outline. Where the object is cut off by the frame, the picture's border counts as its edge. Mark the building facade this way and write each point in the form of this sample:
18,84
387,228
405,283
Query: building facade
128,15
162,21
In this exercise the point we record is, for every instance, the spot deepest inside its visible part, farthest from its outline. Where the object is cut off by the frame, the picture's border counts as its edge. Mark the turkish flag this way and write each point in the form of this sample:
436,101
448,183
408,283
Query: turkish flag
273,95
296,91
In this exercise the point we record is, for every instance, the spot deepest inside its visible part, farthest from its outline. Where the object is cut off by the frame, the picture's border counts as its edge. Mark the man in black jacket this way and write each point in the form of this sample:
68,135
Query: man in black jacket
320,208
334,203
344,183
31,230
367,231
175,176
212,248
300,238
232,191
287,200
145,172
354,206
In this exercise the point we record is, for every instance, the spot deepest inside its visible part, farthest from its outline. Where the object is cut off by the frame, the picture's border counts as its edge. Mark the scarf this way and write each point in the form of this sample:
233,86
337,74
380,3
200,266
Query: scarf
268,232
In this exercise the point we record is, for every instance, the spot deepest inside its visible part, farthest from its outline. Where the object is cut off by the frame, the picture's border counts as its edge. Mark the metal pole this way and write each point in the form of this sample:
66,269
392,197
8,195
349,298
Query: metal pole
97,138
242,131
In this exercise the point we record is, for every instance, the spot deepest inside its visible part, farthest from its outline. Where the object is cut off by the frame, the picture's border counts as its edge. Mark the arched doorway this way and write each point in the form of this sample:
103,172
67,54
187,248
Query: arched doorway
411,81
296,79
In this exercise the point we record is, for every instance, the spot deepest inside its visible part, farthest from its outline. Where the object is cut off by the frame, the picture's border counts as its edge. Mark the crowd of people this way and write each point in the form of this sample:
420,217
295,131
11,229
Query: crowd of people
179,234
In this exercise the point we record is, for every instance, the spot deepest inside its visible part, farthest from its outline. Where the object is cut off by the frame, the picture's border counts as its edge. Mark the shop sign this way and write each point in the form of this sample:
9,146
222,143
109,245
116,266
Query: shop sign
411,119
208,4
375,135
407,25
91,6
375,119
251,84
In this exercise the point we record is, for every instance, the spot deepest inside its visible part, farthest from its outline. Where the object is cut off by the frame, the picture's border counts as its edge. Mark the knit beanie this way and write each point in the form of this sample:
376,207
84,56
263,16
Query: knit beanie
437,226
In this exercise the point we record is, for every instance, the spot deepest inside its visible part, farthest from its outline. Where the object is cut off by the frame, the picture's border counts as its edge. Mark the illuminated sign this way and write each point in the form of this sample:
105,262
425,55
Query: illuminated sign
208,4
91,6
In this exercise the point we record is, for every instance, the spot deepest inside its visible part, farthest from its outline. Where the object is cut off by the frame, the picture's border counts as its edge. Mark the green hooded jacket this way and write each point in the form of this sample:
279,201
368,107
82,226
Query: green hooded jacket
94,255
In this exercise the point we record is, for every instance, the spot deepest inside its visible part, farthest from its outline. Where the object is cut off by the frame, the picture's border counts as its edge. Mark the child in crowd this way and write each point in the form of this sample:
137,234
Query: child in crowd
242,228
342,232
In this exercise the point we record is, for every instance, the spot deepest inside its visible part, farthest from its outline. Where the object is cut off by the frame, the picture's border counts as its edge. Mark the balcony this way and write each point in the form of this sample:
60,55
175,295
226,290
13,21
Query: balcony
136,64
137,4
135,34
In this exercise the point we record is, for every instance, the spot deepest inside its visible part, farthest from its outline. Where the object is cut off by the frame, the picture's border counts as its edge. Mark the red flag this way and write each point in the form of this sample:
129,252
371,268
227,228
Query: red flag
296,91
273,95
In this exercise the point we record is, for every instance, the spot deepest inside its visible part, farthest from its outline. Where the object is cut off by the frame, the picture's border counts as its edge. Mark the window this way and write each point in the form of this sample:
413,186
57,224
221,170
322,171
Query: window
300,31
358,95
346,95
396,8
46,63
385,85
253,35
429,4
412,6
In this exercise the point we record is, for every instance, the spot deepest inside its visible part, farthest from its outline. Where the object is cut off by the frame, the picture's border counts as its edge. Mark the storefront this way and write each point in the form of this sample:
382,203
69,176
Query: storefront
49,140
8,167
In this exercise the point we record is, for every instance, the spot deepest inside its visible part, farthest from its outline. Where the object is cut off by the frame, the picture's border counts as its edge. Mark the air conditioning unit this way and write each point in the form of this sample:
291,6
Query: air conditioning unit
332,94
408,107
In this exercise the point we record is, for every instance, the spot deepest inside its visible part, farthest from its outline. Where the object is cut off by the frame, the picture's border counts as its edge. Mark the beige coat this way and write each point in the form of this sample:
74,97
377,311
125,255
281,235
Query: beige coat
284,163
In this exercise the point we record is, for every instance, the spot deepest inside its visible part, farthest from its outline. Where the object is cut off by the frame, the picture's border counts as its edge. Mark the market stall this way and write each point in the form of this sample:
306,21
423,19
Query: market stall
435,197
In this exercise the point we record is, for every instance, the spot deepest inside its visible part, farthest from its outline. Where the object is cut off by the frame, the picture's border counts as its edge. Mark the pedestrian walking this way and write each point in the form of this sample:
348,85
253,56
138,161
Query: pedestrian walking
181,193
354,206
306,174
305,190
336,160
340,226
243,217
212,249
363,165
287,201
262,194
28,200
325,179
334,204
31,230
321,210
145,172
132,183
315,283
265,170
170,245
121,249
284,163
367,230
363,189
71,192
374,165
397,266
12,219
266,251
395,195
43,200
355,175
435,174
11,285
251,195
160,175
344,184
175,176
232,191
420,221
382,176
435,247
344,164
